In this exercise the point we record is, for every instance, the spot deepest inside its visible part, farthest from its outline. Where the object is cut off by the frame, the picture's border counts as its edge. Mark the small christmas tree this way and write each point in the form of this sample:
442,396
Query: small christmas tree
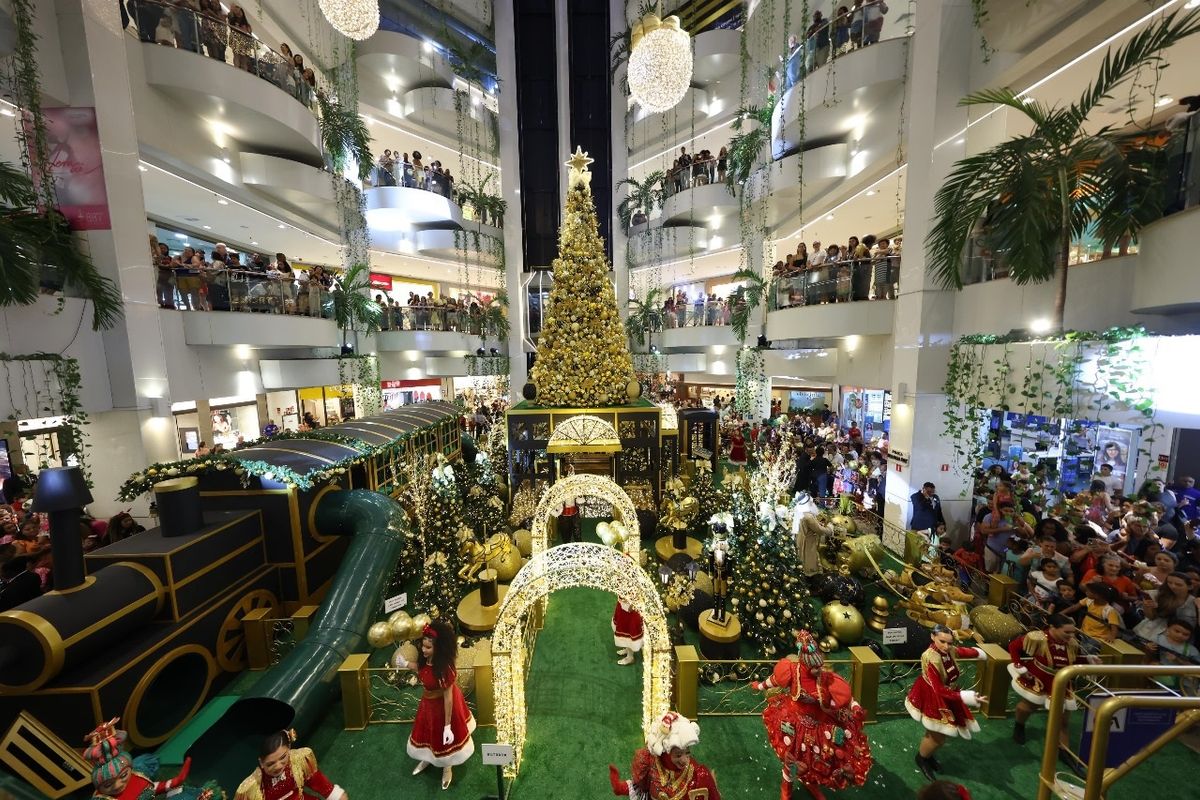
583,355
768,591
710,498
440,511
484,508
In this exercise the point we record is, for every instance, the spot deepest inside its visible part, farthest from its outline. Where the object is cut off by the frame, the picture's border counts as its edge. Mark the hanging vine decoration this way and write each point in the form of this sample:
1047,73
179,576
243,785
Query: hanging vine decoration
750,387
1108,368
360,374
979,15
55,394
23,81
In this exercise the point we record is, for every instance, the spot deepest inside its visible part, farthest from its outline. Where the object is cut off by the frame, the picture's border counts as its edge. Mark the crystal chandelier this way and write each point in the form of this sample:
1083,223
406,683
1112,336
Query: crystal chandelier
660,63
357,19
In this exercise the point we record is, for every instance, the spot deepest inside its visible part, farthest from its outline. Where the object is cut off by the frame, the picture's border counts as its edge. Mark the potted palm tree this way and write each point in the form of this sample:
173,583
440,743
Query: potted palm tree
644,196
645,317
34,242
750,295
353,308
1036,193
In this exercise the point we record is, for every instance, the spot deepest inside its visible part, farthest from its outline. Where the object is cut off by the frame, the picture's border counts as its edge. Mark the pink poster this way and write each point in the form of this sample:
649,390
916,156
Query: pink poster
77,167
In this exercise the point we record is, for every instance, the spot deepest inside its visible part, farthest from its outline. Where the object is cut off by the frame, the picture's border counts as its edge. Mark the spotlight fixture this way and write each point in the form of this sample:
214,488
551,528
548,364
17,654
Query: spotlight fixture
479,352
495,352
763,343
347,349
653,349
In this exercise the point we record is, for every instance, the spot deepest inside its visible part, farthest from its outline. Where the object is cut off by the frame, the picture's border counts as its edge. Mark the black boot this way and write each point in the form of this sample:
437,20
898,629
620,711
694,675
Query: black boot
937,765
1019,732
1065,756
926,767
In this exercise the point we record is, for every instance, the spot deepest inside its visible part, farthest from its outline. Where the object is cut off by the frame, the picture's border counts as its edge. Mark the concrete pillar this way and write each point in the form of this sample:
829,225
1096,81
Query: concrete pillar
97,75
204,413
942,50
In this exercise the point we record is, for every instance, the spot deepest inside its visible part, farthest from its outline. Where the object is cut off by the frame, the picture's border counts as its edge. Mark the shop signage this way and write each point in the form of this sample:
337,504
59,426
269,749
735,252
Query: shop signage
381,281
899,456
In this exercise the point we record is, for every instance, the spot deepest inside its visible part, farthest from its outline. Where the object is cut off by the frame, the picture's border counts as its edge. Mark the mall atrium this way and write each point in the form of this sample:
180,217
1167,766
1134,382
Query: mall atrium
370,362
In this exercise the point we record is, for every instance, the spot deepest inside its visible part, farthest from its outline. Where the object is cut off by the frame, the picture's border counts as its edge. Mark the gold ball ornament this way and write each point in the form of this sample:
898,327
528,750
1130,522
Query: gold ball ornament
828,644
419,623
506,559
524,540
843,621
633,389
379,635
401,625
843,524
862,550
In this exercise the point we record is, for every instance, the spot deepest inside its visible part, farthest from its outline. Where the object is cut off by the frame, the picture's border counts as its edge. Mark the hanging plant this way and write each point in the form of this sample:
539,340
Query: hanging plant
750,382
53,392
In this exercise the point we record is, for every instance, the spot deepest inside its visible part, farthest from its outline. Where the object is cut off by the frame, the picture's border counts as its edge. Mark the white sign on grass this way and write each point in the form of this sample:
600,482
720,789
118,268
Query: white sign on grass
497,755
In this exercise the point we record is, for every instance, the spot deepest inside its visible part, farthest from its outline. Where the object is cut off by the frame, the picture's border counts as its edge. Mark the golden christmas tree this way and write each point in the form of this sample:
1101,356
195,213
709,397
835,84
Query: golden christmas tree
583,356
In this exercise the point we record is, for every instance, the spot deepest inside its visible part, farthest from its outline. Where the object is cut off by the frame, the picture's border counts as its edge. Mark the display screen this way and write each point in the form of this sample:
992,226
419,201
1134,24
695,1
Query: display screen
5,465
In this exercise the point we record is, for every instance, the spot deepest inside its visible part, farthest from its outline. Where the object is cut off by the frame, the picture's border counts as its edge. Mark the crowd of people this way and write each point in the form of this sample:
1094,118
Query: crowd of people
202,26
866,269
195,280
398,169
428,313
1120,566
26,560
850,28
690,170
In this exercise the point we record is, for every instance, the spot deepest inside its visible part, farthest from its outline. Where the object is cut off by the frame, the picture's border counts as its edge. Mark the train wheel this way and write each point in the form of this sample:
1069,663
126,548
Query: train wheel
231,640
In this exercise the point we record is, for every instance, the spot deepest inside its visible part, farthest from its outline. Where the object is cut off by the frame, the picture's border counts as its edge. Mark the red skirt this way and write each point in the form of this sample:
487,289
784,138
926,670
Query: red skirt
627,629
425,742
826,750
948,715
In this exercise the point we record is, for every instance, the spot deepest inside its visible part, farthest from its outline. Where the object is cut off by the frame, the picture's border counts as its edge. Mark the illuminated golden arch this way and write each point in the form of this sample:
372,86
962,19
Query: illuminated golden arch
584,485
575,564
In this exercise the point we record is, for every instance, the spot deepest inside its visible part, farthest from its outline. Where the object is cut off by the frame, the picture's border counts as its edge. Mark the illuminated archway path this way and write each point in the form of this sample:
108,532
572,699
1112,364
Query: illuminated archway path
585,711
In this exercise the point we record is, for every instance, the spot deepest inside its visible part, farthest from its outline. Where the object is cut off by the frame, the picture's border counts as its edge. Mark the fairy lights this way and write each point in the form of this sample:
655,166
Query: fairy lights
583,485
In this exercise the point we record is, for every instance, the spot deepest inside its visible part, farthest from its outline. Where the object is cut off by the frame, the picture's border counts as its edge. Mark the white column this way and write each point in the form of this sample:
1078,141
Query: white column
510,189
620,168
94,57
942,50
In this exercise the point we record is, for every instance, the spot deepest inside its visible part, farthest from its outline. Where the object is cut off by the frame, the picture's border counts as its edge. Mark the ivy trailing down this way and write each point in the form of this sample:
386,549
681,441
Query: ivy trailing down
1089,373
750,389
362,373
47,385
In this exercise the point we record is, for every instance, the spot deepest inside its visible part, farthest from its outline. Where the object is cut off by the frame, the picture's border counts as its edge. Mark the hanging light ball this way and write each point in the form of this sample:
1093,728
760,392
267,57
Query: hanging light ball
660,63
357,19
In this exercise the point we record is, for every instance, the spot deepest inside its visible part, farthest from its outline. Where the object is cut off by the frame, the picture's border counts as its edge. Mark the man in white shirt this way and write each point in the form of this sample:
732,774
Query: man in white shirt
816,255
1111,482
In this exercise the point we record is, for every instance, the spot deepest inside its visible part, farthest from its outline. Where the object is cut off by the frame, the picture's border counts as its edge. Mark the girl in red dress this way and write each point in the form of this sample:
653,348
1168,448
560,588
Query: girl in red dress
664,768
815,726
737,447
934,701
627,631
1036,656
441,733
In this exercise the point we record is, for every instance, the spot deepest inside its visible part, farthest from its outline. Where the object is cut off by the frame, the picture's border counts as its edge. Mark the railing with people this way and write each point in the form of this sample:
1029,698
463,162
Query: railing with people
699,171
175,24
442,318
220,289
854,280
846,29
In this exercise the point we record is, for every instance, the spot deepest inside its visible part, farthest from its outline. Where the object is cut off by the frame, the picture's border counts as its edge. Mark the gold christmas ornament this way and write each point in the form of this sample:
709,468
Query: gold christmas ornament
401,625
409,651
524,542
862,551
355,19
828,644
843,621
660,63
419,623
505,558
880,608
633,389
379,635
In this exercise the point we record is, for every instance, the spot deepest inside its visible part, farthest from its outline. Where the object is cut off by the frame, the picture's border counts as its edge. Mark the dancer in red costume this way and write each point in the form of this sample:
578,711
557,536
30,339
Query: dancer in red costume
627,631
441,733
935,702
737,447
664,769
1036,657
814,725
284,772
115,775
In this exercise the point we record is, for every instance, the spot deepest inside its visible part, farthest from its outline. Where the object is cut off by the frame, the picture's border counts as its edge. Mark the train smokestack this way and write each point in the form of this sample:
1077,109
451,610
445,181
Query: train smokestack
178,501
62,492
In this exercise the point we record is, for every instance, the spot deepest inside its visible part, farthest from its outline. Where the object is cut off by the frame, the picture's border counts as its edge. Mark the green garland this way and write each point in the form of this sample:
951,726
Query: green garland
57,397
487,366
974,385
750,381
361,371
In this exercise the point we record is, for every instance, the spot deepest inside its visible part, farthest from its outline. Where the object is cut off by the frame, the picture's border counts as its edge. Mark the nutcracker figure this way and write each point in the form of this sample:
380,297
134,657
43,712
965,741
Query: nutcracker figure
720,567
664,768
1036,657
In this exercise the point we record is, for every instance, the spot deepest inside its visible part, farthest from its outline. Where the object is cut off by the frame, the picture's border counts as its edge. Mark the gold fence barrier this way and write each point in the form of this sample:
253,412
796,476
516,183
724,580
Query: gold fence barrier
1099,779
268,638
381,695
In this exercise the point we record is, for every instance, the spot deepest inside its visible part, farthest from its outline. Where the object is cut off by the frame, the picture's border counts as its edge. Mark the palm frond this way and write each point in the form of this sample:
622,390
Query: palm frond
352,304
344,136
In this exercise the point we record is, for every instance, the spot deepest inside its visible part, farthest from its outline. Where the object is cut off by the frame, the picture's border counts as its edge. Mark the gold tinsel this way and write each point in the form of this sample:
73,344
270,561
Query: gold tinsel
583,354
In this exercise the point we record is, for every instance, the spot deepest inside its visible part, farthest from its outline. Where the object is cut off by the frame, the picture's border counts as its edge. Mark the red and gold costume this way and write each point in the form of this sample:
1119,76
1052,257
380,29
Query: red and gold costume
425,741
1036,657
111,763
300,773
816,727
935,702
656,775
737,447
627,626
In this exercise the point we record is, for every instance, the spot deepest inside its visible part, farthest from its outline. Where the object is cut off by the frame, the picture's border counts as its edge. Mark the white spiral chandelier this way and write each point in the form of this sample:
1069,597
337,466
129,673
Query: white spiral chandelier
660,63
357,19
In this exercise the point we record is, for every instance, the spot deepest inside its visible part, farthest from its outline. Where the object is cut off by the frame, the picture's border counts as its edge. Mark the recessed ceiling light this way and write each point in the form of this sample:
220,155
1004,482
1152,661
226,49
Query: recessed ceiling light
429,47
872,193
961,140
8,112
142,168
181,236
282,226
221,201
253,242
829,217
208,227
1165,100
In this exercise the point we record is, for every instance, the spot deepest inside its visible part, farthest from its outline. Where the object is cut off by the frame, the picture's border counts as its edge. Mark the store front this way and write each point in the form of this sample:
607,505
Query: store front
869,409
403,393
234,421
325,405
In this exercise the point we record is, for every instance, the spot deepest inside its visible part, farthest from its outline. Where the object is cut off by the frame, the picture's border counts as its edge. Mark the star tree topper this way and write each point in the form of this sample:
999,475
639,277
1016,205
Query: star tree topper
578,164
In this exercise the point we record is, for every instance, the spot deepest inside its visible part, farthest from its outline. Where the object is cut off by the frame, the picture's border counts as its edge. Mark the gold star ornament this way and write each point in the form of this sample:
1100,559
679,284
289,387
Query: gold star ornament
578,165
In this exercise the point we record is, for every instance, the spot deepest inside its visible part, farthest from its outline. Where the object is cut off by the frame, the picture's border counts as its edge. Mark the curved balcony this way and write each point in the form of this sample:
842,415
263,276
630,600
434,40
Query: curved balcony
288,181
813,171
424,330
831,300
667,243
864,80
1164,282
396,213
255,98
697,338
391,62
699,204
715,55
461,246
434,108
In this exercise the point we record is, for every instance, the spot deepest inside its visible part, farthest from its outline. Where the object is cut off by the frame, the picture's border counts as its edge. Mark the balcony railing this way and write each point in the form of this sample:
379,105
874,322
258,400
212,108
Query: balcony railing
195,289
171,25
441,319
839,282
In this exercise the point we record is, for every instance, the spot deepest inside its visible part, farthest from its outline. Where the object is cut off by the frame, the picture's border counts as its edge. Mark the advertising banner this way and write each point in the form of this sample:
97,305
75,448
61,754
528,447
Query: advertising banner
76,166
